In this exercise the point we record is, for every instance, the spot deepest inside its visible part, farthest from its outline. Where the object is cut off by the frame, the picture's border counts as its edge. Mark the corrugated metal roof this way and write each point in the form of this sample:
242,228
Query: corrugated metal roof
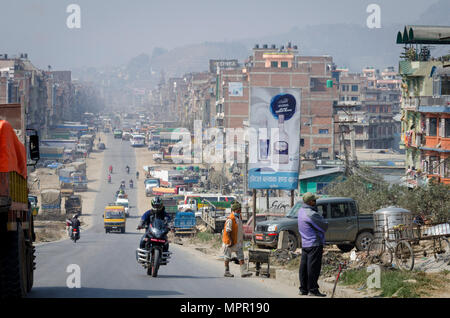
424,34
320,172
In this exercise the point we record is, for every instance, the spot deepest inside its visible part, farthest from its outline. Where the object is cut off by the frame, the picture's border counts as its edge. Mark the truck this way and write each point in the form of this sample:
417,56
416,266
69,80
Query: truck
16,218
184,223
347,227
195,201
87,140
122,200
74,205
52,153
150,183
171,204
117,133
51,201
180,189
114,218
165,154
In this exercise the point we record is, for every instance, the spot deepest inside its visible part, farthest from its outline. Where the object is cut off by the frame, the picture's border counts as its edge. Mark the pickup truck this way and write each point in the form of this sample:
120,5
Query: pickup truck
347,228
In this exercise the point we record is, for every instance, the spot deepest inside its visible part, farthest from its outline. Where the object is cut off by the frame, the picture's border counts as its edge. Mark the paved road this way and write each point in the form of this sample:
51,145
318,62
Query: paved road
108,264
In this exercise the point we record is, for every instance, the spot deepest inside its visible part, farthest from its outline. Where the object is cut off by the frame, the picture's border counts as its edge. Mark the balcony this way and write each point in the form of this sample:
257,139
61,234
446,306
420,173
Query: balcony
427,103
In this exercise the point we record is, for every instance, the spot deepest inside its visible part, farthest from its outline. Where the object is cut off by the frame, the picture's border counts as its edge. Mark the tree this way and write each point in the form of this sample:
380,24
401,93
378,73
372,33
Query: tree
372,193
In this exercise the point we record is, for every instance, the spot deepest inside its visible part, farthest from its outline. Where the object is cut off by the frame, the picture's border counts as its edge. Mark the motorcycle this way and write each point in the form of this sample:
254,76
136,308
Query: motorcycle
153,255
75,235
131,184
122,185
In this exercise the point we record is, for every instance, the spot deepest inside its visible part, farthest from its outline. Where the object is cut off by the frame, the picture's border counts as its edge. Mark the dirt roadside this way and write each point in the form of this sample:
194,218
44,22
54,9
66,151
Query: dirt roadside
55,230
284,274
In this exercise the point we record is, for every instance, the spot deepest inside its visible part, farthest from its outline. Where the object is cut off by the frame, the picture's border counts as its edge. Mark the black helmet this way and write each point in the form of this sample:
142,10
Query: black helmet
157,203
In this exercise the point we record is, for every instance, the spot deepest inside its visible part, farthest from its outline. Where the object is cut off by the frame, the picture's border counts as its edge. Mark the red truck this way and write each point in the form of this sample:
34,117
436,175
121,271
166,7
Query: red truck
16,219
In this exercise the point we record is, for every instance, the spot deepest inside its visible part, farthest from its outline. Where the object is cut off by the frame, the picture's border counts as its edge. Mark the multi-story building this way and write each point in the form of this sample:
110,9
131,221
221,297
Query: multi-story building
425,104
367,106
283,67
21,82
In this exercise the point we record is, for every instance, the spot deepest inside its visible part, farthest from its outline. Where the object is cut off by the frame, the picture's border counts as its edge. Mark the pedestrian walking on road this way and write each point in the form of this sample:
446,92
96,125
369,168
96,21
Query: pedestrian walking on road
312,227
233,239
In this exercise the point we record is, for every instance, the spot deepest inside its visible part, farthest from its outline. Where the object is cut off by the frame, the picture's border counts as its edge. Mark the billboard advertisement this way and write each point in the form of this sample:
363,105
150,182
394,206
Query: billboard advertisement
235,89
275,119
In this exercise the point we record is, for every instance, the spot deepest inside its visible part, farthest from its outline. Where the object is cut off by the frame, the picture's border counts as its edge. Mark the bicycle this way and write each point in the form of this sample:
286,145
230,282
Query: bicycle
392,247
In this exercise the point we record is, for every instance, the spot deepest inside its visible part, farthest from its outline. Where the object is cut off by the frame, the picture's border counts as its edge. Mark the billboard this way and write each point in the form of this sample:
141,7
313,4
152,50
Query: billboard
275,119
235,89
223,64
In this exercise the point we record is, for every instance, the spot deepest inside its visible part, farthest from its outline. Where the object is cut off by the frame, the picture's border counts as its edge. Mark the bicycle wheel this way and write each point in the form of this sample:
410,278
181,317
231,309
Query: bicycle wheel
379,253
404,256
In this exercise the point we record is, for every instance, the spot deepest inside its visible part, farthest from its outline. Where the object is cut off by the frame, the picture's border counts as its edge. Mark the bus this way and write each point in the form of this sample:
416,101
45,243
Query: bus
137,140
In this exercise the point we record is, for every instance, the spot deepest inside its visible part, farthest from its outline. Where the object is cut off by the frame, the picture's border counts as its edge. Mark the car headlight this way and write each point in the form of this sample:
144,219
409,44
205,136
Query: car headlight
272,228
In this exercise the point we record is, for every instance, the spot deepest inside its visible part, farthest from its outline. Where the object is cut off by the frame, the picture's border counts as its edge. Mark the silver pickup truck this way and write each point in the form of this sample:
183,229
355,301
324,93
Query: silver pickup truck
347,228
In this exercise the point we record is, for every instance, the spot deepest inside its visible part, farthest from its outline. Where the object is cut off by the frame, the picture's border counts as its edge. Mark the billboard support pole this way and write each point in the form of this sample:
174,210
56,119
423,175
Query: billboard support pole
254,210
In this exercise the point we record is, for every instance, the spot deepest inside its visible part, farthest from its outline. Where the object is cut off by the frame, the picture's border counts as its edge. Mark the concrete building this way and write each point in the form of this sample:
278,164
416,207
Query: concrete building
283,67
367,106
425,104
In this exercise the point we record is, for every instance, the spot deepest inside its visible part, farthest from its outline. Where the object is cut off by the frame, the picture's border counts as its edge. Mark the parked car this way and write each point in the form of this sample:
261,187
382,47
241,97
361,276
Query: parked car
101,146
347,228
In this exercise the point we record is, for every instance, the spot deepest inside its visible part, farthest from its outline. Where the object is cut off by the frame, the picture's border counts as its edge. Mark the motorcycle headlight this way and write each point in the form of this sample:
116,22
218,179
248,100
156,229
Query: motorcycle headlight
272,228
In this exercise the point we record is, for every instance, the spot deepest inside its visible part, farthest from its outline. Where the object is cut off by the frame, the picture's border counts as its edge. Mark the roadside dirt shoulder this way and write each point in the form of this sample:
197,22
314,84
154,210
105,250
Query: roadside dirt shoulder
55,229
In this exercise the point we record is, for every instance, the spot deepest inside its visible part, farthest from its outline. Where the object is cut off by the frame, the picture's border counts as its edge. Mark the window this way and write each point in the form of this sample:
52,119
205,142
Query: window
354,88
274,64
302,142
323,131
284,64
446,167
433,167
433,127
354,98
321,187
339,210
447,128
322,210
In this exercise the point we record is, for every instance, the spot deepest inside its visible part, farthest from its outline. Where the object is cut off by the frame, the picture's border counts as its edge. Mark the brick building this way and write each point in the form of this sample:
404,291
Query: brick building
283,67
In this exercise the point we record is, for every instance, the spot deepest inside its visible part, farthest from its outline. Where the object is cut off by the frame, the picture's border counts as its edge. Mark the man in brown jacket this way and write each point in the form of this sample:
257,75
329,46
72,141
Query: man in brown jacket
233,238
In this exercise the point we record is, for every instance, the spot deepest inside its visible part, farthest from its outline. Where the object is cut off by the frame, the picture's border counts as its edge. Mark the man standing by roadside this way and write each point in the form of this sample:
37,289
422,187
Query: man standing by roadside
312,227
233,239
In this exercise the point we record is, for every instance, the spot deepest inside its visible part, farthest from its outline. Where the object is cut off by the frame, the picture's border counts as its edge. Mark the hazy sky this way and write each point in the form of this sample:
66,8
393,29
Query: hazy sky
113,31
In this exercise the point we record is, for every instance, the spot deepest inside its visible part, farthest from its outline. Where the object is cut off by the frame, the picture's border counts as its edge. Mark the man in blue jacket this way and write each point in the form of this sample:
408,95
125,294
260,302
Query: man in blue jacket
312,227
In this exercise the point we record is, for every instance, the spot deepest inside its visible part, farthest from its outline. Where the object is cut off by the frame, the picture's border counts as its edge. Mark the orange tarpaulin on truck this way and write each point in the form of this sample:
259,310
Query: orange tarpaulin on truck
164,190
13,156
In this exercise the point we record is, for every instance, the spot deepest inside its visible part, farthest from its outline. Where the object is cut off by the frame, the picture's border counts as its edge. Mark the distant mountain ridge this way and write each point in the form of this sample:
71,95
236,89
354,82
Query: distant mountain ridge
351,45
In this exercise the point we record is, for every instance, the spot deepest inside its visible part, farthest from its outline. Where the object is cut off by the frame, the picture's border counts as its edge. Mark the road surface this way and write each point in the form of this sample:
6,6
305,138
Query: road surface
107,262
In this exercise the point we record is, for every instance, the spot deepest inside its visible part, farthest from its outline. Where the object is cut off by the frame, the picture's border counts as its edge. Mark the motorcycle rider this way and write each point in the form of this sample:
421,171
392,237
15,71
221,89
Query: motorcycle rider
131,183
75,224
157,211
137,174
109,178
110,169
128,169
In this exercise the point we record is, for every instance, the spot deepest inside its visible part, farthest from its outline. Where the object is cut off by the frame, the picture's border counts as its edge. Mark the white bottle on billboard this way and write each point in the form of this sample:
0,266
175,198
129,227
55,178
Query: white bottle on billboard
281,143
